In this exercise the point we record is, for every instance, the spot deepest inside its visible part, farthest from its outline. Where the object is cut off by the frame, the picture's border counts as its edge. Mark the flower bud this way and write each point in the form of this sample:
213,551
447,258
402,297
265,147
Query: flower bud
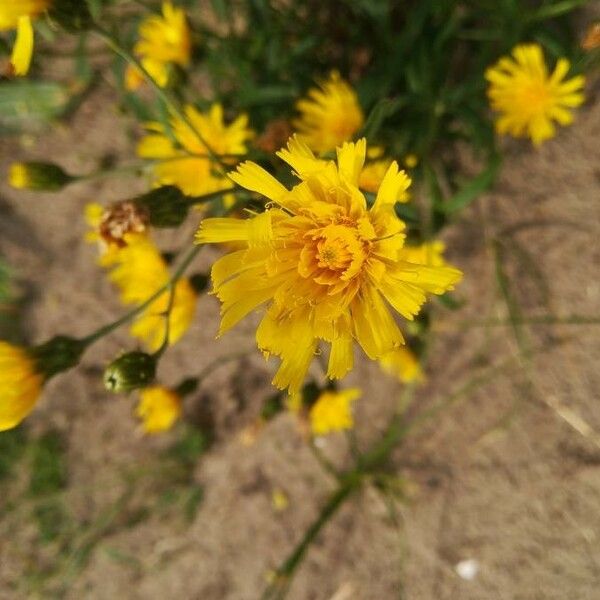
129,372
71,15
39,176
57,355
166,205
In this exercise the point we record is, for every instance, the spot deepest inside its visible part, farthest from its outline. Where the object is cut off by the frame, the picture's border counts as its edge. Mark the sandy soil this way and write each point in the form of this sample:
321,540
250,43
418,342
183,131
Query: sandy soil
508,475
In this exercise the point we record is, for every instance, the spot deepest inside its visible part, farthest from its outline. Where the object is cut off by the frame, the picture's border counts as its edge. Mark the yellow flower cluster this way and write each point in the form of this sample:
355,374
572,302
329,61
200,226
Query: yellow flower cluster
528,98
329,266
18,14
138,270
164,40
182,158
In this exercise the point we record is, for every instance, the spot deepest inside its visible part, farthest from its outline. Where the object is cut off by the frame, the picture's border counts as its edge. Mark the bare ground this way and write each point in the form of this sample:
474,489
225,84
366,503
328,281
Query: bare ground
507,475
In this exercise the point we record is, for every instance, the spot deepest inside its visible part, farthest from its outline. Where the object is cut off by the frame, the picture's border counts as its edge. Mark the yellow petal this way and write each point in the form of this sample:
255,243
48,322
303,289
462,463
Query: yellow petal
394,183
23,48
341,358
251,176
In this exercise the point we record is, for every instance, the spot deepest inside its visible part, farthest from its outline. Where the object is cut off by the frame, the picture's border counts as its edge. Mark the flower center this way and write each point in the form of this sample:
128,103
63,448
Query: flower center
333,254
535,97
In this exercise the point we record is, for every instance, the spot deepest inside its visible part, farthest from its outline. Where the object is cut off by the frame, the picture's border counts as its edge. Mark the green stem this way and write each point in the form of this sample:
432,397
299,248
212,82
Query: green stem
90,339
349,483
114,43
279,587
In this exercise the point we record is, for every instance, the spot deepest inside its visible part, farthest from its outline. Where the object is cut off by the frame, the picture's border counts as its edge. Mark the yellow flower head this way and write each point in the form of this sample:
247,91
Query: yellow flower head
528,98
330,115
20,385
329,266
402,364
138,271
185,163
164,40
159,409
333,411
17,14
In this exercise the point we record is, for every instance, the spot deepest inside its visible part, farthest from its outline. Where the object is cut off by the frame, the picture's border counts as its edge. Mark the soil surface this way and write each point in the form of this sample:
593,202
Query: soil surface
501,487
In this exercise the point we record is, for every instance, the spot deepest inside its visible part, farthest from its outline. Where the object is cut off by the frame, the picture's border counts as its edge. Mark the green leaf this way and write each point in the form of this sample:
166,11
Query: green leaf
384,109
31,104
473,189
551,11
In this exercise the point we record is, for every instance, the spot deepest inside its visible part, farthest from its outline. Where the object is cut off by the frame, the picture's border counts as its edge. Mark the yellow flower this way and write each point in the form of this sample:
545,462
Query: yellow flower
330,115
185,163
402,364
20,385
150,326
328,266
138,270
17,14
164,40
528,98
109,226
332,411
159,409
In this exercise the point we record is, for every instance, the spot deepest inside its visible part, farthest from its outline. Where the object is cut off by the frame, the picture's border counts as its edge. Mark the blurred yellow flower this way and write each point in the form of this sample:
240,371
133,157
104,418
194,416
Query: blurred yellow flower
138,270
185,163
330,115
17,14
528,98
333,411
429,253
372,175
327,264
20,385
150,325
110,225
159,409
164,40
402,364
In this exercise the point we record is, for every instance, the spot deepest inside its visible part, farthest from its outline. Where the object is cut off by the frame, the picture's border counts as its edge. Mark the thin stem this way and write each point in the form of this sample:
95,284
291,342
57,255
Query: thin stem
90,339
114,43
279,587
322,459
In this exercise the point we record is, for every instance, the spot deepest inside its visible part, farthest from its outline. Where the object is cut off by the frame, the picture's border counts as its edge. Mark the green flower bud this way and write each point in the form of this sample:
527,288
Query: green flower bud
39,176
57,355
130,372
167,206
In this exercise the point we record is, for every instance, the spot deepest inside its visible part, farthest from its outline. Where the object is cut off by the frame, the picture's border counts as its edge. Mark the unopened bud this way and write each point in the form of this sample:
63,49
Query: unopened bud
167,206
39,176
130,372
57,355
